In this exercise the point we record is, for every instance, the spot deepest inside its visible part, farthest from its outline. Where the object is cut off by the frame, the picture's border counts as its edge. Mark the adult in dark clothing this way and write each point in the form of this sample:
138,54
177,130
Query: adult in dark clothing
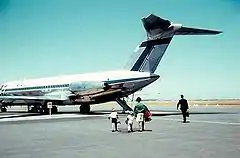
183,107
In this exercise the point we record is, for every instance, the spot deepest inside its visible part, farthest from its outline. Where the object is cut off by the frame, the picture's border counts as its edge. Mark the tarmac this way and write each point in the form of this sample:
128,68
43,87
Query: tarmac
210,132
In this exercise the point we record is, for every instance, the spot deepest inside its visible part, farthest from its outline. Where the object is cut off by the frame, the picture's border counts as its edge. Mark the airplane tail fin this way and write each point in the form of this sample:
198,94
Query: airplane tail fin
159,35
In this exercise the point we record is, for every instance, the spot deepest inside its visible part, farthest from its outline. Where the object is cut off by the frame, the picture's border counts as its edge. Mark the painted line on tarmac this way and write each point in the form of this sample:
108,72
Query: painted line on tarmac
201,121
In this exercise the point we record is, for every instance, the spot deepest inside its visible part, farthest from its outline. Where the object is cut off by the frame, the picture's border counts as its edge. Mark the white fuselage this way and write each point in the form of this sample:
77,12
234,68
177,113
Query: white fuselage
131,80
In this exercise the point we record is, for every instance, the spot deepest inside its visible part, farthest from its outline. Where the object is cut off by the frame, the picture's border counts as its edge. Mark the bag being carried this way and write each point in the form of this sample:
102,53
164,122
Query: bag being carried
187,113
147,116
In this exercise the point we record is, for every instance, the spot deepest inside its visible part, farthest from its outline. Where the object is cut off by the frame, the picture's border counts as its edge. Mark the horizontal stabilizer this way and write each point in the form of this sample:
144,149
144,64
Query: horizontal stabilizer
157,27
196,31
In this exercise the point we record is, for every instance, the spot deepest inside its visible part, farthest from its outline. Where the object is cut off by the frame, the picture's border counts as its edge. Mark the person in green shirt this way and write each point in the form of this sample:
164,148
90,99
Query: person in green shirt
139,111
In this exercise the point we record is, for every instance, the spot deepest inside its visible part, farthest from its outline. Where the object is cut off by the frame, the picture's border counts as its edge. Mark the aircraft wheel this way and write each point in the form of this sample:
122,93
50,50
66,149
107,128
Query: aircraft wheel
32,109
28,108
3,109
43,110
54,109
88,108
85,108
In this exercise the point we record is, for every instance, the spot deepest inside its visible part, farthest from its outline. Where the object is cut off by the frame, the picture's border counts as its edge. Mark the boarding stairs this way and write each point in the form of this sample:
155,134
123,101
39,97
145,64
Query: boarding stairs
124,105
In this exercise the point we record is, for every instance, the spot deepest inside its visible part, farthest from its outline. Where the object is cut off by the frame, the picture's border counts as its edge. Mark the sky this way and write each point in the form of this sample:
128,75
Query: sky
44,38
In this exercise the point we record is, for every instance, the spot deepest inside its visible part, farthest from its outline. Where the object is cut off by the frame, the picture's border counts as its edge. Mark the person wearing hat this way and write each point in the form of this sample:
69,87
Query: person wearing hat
183,107
139,111
129,121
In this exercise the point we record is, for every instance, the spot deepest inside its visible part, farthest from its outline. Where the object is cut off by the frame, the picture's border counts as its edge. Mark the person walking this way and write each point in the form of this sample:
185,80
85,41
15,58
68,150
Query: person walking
114,118
183,103
139,111
129,121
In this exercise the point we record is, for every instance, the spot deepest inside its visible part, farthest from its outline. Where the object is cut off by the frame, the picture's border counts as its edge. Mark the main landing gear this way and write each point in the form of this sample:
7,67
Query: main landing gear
84,108
36,108
54,109
3,109
42,109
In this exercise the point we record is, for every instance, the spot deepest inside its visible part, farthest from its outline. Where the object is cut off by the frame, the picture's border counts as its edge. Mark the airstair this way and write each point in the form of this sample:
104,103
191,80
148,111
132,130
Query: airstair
124,105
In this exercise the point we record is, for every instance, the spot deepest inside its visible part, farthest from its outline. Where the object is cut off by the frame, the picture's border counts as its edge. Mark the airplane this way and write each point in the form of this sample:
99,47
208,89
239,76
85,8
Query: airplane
100,87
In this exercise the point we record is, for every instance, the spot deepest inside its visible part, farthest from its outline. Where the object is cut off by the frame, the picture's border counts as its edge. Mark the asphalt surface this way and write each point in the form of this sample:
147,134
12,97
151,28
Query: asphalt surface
211,132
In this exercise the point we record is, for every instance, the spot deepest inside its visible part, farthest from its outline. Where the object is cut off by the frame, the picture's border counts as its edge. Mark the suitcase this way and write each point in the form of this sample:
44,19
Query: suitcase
147,116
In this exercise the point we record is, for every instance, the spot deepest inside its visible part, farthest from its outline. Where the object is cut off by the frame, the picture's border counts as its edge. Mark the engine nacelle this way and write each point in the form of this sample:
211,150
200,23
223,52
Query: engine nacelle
86,86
